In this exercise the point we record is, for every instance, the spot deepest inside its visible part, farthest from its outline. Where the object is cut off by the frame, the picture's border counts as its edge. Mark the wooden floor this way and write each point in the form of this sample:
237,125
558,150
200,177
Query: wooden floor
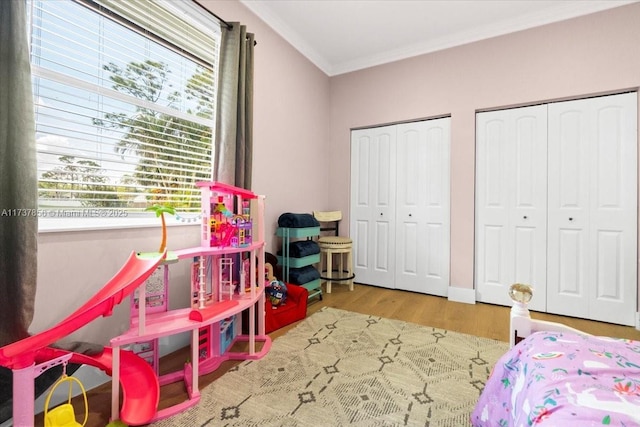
484,320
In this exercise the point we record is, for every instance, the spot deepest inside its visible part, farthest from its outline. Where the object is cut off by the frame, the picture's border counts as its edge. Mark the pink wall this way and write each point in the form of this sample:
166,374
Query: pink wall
302,122
291,116
589,55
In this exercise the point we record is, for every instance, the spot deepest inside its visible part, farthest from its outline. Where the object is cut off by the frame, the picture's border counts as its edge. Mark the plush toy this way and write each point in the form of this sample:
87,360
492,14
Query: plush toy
276,292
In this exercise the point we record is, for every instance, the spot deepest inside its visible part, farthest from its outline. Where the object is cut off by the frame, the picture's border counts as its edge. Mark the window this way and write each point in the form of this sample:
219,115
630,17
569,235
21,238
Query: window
125,100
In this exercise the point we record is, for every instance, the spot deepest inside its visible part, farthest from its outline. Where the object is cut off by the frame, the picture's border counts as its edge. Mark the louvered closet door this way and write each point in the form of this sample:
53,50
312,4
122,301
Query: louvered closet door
372,216
511,208
422,207
593,208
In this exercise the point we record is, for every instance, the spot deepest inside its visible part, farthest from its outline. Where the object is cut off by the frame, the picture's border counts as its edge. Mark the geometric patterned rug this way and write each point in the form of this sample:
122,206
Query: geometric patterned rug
339,368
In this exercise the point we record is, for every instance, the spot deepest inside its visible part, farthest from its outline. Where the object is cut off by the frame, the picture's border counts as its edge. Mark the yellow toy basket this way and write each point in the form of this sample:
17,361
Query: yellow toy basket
64,414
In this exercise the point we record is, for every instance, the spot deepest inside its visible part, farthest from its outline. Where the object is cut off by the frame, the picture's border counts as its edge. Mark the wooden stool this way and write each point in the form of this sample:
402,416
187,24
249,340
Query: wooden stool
335,245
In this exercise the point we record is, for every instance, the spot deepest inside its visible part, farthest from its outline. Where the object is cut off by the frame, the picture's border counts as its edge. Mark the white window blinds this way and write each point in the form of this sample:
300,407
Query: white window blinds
125,103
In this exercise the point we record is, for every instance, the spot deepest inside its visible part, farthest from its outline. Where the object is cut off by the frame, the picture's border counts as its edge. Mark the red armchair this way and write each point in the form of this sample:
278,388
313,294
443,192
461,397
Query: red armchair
294,309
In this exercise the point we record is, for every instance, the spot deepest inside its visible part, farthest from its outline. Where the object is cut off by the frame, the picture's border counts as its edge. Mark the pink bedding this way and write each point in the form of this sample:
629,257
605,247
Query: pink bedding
563,379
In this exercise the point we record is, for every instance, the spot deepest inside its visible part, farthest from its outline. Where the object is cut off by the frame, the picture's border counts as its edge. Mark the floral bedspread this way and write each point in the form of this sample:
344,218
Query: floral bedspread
563,379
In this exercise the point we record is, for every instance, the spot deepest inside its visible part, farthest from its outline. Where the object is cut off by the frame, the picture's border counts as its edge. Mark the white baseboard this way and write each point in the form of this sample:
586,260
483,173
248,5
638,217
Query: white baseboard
465,295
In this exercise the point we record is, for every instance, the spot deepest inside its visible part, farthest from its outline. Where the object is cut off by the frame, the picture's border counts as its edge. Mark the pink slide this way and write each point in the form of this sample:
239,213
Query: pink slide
140,386
139,382
134,272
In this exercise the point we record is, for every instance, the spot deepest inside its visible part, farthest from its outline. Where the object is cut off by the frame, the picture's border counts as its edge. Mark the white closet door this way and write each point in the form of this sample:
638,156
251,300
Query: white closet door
373,193
422,207
593,208
511,205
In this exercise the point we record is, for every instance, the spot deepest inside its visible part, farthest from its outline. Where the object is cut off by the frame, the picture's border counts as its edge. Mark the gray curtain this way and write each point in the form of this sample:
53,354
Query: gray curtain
18,177
232,161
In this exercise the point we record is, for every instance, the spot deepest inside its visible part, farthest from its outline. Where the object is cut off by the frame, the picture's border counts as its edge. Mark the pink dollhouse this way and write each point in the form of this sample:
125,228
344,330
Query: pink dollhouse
223,284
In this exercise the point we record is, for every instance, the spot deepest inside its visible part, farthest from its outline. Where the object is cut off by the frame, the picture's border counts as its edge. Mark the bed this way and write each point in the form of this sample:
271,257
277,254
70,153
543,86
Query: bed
555,375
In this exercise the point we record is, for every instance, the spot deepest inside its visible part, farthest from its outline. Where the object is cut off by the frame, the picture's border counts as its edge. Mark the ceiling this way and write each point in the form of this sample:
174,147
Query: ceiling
340,36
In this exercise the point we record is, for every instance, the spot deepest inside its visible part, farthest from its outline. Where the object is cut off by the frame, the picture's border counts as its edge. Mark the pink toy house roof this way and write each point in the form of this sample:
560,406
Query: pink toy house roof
219,186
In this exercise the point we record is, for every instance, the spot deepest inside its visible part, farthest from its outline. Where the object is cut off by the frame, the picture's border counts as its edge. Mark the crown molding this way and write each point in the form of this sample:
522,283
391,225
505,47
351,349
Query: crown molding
563,11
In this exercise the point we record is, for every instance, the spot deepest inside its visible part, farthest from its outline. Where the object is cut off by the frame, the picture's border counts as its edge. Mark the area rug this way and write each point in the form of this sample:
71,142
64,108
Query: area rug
339,368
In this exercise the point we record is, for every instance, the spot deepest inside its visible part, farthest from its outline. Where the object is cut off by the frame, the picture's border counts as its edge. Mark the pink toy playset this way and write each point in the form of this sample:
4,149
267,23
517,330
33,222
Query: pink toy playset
223,284
224,224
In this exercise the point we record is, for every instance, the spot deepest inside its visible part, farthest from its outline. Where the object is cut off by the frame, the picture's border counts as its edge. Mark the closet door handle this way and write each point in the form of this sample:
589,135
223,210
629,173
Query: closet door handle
409,214
524,217
570,218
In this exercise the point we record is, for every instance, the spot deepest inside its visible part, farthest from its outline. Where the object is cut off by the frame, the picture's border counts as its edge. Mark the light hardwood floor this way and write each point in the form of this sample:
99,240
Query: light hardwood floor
484,320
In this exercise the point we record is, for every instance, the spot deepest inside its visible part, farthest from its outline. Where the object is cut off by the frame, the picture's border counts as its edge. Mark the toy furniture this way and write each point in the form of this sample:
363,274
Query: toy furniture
294,309
331,245
64,415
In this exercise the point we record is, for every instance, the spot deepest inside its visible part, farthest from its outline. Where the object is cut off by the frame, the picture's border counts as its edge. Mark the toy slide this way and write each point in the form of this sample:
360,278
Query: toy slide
20,356
140,386
134,272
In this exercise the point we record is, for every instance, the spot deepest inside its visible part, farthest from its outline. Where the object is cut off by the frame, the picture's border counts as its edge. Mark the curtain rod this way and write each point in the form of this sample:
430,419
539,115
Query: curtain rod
222,21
